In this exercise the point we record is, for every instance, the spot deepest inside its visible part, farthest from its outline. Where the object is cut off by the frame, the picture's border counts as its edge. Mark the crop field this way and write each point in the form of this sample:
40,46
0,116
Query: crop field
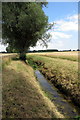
61,68
62,55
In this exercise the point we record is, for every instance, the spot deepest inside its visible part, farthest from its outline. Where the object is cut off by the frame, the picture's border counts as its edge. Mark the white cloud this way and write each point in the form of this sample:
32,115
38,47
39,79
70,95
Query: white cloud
55,44
68,24
58,35
63,33
2,48
73,17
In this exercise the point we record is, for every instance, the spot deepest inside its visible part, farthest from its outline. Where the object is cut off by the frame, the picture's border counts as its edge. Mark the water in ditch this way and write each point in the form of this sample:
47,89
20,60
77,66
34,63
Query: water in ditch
63,106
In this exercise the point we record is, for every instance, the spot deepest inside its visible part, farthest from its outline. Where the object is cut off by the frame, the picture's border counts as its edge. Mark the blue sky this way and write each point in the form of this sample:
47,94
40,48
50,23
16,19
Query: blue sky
65,32
59,10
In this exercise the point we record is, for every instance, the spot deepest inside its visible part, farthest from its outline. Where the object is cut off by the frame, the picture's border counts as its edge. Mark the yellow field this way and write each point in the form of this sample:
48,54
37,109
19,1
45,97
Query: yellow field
58,53
8,54
62,55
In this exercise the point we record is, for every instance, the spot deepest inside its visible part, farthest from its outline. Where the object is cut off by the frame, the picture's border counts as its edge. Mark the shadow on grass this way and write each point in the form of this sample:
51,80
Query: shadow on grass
16,58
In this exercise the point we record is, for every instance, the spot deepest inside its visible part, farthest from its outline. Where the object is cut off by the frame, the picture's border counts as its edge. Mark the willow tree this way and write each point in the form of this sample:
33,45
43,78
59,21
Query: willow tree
23,24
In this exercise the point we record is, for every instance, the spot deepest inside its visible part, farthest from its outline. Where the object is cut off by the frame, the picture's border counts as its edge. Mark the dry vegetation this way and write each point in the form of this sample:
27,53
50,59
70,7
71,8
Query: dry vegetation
7,54
22,96
61,68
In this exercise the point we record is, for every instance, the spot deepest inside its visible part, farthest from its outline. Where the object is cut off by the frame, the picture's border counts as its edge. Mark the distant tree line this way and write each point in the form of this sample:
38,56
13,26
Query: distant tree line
9,50
48,50
52,50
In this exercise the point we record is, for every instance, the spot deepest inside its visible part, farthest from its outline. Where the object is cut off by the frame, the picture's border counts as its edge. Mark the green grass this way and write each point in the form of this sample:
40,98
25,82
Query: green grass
64,73
32,63
22,95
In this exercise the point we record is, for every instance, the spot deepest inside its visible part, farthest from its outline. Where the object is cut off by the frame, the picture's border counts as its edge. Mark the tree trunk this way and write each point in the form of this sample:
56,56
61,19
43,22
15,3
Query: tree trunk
22,56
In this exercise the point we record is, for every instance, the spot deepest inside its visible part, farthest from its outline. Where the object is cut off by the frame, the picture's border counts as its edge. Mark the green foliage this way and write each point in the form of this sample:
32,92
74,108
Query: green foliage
77,117
24,24
10,49
23,56
32,63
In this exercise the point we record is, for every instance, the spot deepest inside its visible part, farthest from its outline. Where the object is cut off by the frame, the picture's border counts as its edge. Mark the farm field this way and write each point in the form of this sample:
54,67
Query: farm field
62,55
39,61
7,54
22,96
61,68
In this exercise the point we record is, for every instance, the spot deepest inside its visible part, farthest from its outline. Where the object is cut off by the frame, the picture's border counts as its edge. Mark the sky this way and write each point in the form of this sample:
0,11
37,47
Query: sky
64,34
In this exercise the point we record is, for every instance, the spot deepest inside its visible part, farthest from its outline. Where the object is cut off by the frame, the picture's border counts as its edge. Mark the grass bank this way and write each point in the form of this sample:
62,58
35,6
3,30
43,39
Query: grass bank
62,73
22,96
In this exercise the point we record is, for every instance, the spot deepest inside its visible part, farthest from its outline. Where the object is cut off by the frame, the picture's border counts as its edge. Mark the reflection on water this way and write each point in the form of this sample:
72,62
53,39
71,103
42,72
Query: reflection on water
62,105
